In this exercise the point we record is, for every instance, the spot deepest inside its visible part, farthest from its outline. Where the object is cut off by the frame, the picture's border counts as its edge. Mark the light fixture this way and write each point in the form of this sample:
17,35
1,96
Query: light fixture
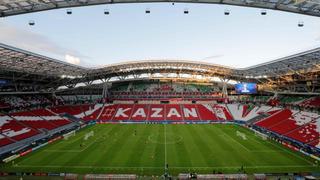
32,23
148,11
186,11
69,11
106,12
226,12
263,12
300,24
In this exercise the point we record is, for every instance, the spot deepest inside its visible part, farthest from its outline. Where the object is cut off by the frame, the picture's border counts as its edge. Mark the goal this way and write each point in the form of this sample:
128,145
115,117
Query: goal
89,134
242,135
261,135
69,134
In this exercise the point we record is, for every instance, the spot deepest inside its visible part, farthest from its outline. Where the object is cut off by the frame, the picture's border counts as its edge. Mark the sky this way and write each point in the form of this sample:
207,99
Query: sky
91,39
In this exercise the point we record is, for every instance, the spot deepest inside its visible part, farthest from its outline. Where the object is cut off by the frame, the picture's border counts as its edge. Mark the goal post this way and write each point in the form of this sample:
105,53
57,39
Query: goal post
242,135
89,134
69,134
261,135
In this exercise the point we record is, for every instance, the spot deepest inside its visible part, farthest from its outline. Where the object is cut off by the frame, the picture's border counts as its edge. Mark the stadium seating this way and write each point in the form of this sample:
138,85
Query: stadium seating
123,112
206,112
298,125
275,118
173,112
4,105
156,112
15,101
136,90
311,102
93,113
4,141
24,101
40,119
242,112
108,112
236,110
140,112
156,87
307,133
161,112
222,112
291,99
191,112
301,126
14,129
71,109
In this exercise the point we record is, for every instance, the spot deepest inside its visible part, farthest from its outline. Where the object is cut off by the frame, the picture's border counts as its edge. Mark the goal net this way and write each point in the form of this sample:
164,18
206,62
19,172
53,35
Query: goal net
261,135
242,135
69,134
88,135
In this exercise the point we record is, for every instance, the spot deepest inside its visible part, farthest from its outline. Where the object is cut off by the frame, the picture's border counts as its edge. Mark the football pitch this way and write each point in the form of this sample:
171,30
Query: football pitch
145,149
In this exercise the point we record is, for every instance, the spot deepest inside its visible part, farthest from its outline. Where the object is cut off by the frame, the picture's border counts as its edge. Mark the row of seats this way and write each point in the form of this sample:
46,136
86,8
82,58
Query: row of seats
301,126
71,109
298,125
165,93
14,130
158,112
311,102
160,87
4,140
21,125
23,101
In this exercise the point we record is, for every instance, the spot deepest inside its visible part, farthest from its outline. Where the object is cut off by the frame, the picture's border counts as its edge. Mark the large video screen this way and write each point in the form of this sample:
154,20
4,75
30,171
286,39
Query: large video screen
246,88
3,82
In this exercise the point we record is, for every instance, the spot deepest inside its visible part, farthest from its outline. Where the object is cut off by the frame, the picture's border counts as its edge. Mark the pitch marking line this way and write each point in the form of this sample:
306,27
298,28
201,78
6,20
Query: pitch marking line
165,147
156,167
72,151
152,137
286,150
98,139
231,138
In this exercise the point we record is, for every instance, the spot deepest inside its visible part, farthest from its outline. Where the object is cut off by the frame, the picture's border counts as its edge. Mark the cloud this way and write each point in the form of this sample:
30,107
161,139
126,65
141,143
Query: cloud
38,43
72,59
213,57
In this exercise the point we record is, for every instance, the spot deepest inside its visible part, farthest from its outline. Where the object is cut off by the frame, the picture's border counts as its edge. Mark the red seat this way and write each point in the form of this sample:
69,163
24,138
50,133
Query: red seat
5,141
140,112
206,112
173,112
123,112
108,112
275,118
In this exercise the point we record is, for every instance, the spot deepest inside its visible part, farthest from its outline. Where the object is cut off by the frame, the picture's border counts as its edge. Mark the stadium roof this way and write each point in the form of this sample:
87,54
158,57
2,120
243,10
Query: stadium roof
14,61
308,61
15,7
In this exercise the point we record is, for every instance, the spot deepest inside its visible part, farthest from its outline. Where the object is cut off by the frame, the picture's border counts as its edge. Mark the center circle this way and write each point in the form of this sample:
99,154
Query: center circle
170,138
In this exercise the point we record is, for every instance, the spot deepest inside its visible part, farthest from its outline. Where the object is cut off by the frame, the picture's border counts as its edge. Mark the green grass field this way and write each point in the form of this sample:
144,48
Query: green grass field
115,148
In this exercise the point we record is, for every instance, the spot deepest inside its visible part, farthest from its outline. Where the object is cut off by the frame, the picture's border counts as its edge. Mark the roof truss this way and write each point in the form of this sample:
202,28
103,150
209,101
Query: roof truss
15,7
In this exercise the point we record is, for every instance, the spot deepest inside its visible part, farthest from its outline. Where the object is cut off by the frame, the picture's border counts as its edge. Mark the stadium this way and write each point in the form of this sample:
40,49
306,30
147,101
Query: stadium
159,118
